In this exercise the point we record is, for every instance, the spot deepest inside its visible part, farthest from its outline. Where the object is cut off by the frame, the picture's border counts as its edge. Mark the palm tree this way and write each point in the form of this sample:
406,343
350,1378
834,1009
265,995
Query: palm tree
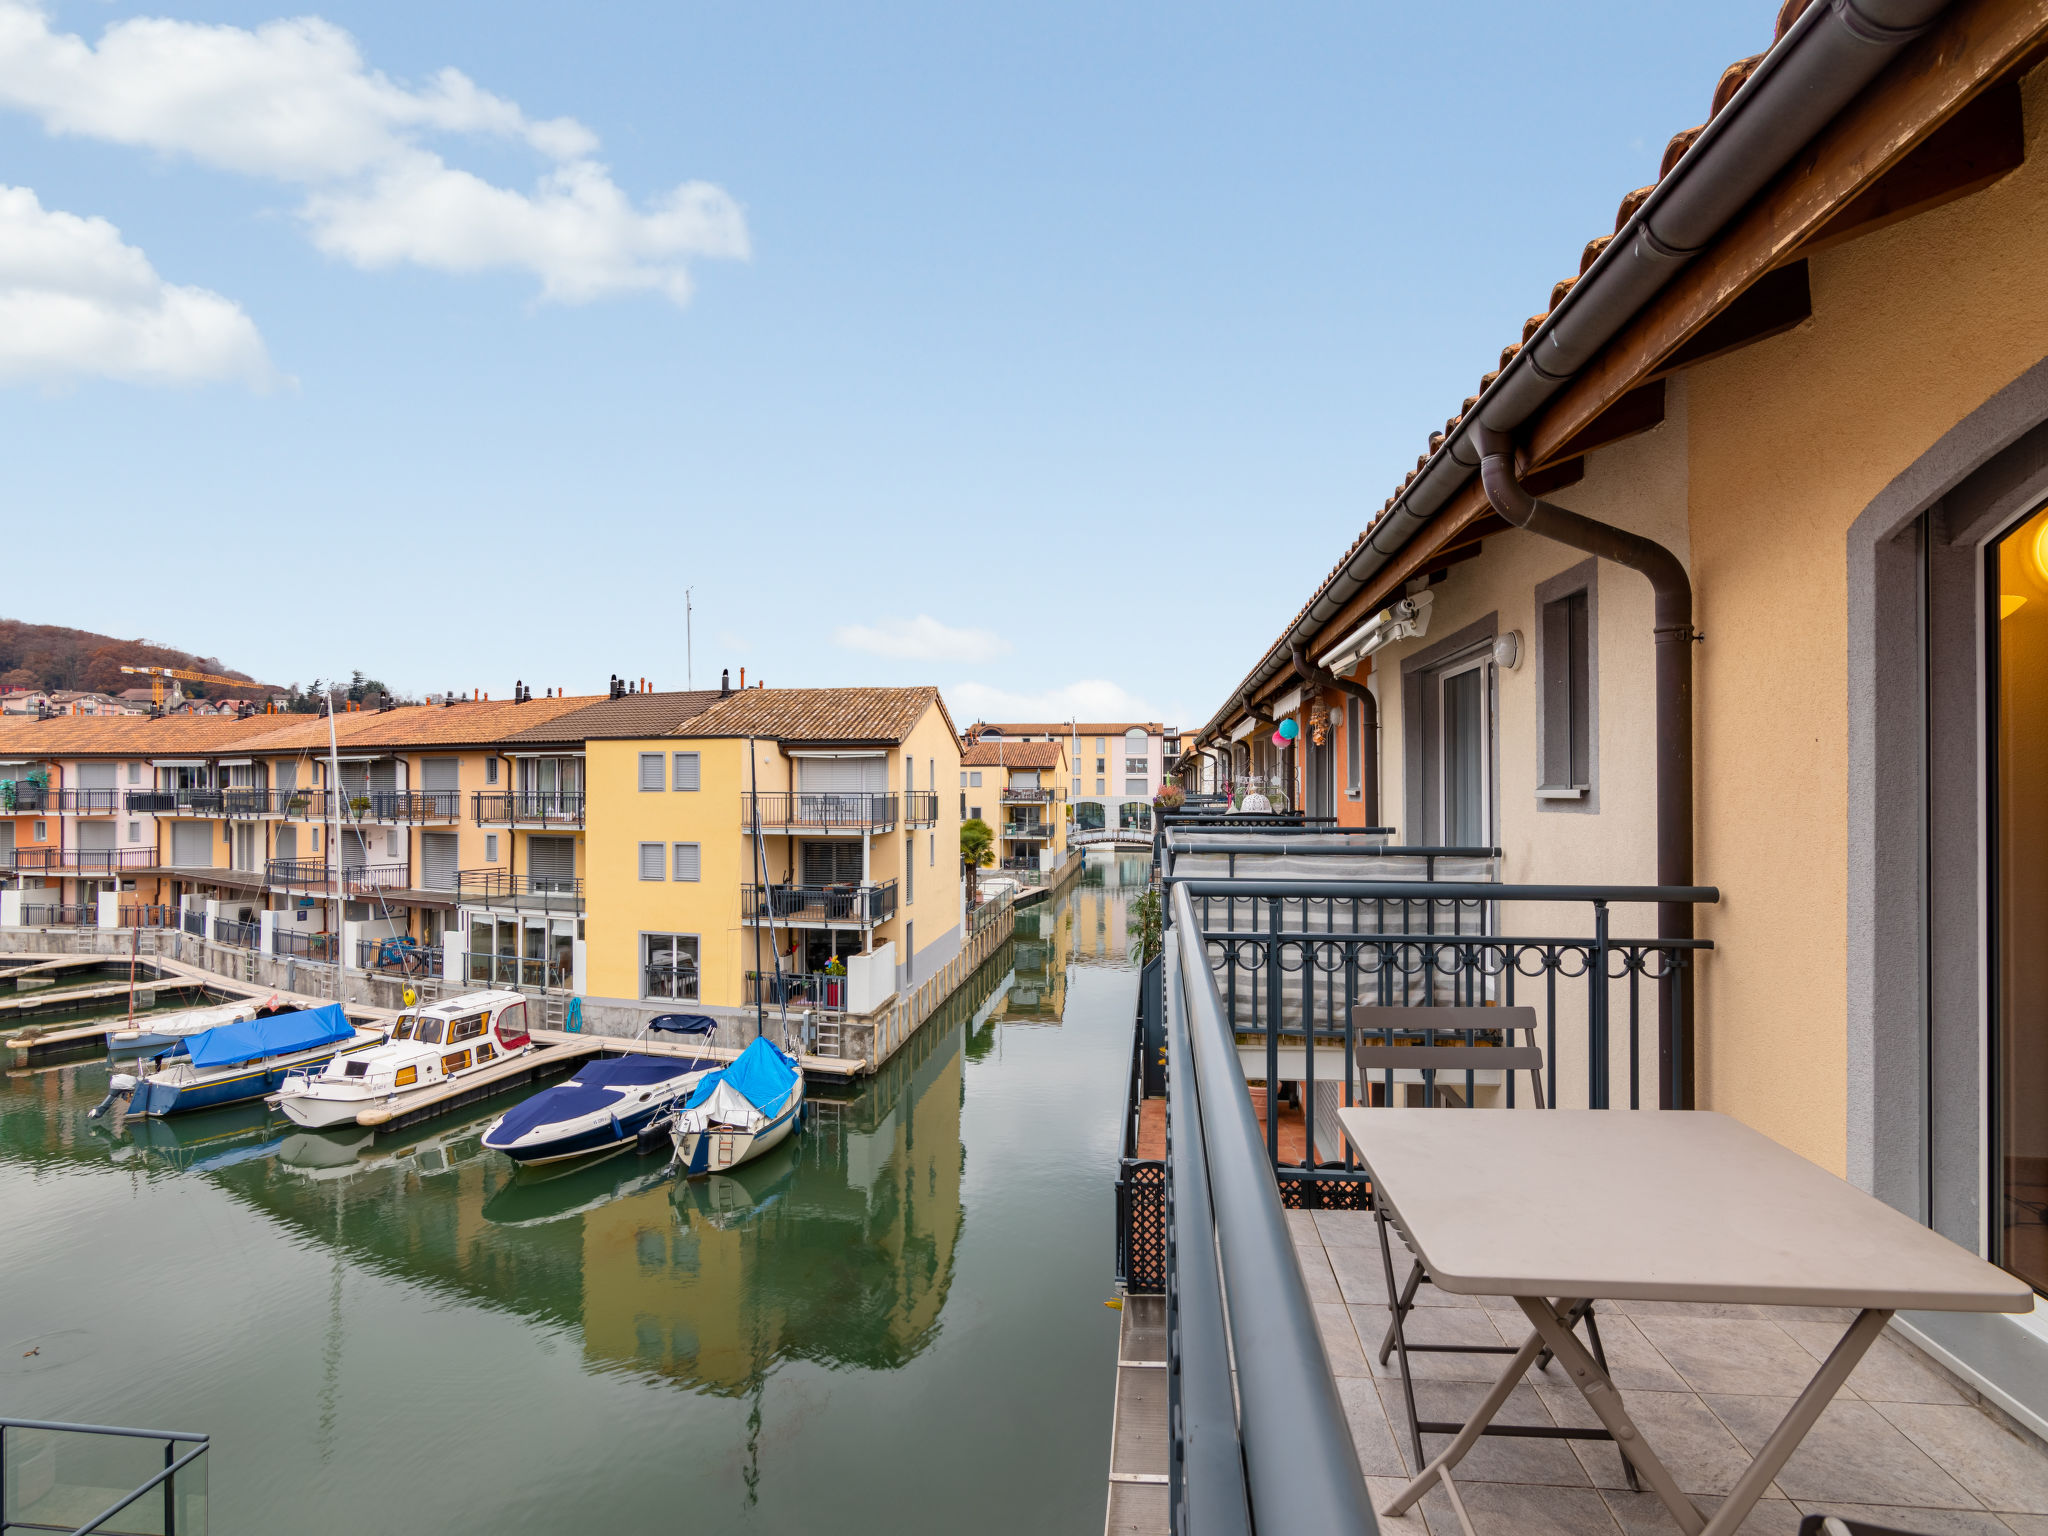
977,851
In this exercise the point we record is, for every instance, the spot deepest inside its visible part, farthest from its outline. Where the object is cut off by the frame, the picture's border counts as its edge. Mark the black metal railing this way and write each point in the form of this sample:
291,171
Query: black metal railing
1039,830
318,875
414,805
21,795
146,915
805,811
485,970
80,915
811,989
1141,1180
322,947
920,808
497,888
41,1488
1024,794
818,903
193,921
535,807
86,802
400,955
84,861
239,935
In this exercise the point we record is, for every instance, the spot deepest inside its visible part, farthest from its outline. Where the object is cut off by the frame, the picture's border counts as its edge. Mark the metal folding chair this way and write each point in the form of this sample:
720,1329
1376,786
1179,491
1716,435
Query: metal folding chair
1467,1052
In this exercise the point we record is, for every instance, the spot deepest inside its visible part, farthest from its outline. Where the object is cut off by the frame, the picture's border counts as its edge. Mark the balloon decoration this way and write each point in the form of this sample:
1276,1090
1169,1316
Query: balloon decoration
1290,729
1279,740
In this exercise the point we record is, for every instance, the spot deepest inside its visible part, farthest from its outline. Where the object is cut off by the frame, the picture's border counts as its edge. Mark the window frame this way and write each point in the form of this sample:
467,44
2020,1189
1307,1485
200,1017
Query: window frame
660,862
676,784
676,863
660,761
1579,799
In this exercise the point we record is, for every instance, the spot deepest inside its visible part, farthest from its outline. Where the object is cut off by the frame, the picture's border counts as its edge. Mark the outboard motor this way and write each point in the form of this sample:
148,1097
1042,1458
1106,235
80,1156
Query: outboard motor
120,1089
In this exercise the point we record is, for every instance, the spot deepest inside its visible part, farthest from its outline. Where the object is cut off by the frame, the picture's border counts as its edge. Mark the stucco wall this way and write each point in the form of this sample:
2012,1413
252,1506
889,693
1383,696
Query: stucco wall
1913,327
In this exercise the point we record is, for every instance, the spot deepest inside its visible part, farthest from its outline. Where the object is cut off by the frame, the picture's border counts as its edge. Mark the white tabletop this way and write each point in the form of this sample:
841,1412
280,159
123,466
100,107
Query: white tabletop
1677,1205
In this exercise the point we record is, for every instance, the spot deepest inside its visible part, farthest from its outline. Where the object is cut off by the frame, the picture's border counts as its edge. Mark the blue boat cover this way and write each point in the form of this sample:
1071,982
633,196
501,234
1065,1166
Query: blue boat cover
684,1024
277,1035
597,1085
762,1075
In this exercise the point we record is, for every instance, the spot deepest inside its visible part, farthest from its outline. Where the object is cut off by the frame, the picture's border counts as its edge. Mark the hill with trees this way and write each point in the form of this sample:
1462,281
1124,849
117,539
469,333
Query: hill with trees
52,656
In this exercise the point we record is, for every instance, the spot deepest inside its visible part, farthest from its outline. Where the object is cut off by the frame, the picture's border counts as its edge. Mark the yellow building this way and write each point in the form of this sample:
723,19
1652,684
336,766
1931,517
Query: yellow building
798,832
1020,789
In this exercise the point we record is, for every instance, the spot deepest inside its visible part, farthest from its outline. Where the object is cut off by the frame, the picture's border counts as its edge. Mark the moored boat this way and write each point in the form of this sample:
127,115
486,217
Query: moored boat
739,1112
429,1047
598,1112
233,1063
152,1033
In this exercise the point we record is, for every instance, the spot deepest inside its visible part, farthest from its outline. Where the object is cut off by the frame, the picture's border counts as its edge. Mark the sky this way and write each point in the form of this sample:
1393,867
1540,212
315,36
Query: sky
1049,354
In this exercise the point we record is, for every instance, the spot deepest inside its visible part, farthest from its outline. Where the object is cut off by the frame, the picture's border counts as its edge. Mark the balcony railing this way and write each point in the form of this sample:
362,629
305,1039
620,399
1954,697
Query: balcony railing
322,947
528,808
811,989
149,916
20,795
921,808
413,805
496,888
318,875
1040,830
83,861
805,811
82,802
1024,794
399,956
83,915
818,903
53,1474
240,935
233,801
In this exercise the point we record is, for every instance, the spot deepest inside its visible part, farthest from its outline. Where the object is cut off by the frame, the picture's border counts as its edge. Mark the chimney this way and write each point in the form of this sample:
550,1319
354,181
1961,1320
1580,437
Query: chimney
743,678
725,683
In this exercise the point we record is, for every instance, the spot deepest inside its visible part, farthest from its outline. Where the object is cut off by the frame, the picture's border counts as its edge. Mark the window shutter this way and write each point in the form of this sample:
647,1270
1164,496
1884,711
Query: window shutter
1580,672
1557,695
653,774
689,860
1354,747
687,773
651,857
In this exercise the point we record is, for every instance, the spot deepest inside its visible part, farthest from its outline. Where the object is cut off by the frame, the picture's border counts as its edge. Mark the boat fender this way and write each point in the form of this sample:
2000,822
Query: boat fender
653,1136
618,1130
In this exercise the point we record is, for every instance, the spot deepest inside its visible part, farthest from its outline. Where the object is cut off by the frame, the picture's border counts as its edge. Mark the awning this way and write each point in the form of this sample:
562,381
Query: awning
799,752
557,752
179,762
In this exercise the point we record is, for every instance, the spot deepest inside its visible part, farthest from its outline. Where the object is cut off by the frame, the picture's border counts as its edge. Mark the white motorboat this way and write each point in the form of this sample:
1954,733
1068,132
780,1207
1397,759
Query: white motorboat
431,1046
740,1112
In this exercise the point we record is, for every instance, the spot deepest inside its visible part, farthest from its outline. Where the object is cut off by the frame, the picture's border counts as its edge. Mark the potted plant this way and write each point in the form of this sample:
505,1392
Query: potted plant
1171,797
359,803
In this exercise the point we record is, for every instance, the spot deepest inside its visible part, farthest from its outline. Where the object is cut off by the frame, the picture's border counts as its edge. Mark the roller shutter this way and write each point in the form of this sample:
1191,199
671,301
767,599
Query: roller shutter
440,856
551,859
192,844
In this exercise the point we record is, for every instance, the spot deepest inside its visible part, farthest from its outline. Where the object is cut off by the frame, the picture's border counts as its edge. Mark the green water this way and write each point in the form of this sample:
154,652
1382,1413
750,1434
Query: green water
893,1324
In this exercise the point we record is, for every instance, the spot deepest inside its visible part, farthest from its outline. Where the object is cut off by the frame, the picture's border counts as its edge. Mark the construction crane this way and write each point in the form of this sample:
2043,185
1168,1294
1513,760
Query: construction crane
156,676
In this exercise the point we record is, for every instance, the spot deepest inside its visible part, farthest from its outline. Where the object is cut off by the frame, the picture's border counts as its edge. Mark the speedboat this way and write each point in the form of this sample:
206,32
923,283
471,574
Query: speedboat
598,1112
429,1047
233,1063
145,1037
740,1112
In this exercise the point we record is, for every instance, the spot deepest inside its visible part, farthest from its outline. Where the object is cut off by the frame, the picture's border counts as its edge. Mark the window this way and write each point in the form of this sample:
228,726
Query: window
688,770
910,869
1102,744
668,965
135,773
932,852
42,831
1102,765
455,1061
405,1028
391,843
1077,786
963,804
1564,713
652,859
430,1031
405,1077
974,812
490,770
490,847
134,831
1137,765
1102,786
689,861
466,1029
963,778
974,781
653,773
1134,787
1464,722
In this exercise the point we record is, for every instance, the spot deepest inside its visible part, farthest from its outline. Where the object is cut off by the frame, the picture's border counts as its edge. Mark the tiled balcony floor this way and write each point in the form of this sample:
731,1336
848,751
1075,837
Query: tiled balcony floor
1900,1447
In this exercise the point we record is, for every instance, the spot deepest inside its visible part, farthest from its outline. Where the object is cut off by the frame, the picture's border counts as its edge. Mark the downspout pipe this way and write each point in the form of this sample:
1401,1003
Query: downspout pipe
1671,594
1369,720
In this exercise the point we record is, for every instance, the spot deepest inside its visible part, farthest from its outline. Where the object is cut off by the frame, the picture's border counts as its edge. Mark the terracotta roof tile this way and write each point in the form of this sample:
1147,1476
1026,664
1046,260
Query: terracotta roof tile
467,723
1003,753
635,715
817,714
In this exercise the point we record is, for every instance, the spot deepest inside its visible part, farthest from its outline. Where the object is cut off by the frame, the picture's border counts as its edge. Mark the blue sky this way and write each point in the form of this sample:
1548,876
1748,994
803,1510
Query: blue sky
1048,354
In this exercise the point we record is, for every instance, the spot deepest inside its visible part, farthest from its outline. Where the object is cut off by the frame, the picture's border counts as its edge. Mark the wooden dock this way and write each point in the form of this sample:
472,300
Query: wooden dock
555,1058
830,1067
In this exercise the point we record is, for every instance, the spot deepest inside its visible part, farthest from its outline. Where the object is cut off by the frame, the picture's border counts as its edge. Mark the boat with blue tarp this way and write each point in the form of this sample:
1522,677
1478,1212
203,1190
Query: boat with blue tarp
235,1062
739,1112
598,1112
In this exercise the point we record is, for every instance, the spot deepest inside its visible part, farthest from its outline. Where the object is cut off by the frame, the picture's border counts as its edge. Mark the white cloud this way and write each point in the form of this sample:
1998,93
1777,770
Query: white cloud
1091,698
76,301
294,101
923,638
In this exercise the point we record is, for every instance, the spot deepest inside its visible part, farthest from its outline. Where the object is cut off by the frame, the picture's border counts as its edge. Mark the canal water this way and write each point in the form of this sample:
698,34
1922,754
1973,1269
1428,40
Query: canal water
895,1323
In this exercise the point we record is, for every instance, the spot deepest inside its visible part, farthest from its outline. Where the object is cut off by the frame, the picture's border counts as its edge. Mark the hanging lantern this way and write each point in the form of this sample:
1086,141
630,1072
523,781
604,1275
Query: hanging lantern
1280,737
1319,724
1289,729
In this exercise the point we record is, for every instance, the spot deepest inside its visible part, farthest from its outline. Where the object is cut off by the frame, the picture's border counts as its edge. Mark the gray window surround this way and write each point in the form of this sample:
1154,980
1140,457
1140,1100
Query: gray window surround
1917,988
1583,577
653,773
1420,790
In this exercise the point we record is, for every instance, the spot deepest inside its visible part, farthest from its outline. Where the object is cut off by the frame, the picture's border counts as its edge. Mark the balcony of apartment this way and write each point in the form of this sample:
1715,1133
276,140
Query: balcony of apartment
1028,794
527,808
921,808
235,802
20,795
852,813
318,875
524,893
407,807
79,802
819,906
81,861
818,990
1028,831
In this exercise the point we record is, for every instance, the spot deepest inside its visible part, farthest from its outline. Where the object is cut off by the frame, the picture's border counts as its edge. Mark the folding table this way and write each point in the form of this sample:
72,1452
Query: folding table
1564,1206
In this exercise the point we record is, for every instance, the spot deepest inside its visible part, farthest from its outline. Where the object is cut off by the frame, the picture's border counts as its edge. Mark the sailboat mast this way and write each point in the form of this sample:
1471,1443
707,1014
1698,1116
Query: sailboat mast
334,857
